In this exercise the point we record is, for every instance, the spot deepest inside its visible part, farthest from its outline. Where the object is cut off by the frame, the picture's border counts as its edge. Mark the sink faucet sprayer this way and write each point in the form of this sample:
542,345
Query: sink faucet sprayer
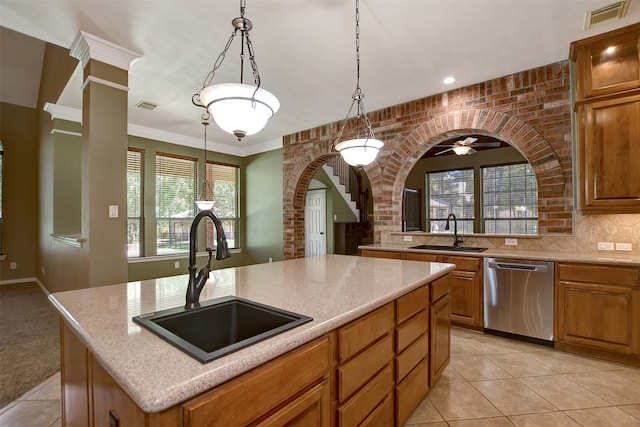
196,283
456,240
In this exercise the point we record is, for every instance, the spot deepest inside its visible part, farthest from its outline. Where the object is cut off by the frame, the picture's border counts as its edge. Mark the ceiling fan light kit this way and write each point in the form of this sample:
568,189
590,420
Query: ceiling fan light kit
364,147
238,109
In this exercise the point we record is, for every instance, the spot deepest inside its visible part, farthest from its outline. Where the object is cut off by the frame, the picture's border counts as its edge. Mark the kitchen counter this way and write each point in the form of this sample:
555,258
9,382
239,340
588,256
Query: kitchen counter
332,289
617,259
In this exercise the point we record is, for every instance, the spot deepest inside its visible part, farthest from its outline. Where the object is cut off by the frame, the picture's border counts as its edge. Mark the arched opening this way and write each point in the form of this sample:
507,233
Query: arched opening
486,183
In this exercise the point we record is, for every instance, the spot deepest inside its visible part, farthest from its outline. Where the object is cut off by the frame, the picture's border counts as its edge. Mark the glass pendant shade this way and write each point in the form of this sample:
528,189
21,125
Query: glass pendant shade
359,152
204,205
239,109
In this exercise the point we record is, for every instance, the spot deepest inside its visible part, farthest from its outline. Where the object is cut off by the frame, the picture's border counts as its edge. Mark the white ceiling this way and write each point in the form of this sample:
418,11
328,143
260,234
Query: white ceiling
305,51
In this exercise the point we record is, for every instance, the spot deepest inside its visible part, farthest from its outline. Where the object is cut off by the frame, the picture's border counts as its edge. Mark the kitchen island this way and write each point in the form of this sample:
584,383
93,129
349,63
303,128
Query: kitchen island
106,357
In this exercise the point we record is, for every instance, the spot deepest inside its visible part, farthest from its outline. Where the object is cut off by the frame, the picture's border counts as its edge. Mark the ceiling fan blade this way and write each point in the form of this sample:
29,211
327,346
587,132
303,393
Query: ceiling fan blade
467,141
487,144
443,151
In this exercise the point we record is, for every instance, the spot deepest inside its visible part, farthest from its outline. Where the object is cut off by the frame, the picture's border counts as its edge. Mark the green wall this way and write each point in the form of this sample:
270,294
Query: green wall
261,206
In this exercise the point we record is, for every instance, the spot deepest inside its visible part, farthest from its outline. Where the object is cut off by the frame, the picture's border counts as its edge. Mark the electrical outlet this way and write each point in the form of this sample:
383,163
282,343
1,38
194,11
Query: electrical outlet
605,246
43,271
13,265
176,264
511,242
270,260
408,238
623,246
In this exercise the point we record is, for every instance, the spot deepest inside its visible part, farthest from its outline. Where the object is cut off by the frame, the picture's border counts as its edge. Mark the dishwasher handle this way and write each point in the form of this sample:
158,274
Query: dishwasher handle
520,267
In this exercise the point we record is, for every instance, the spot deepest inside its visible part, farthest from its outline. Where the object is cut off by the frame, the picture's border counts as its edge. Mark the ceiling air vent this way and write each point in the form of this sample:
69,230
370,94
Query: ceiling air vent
611,12
146,105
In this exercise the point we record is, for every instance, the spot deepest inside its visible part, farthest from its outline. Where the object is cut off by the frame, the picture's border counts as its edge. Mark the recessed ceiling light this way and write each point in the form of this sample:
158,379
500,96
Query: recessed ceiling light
449,80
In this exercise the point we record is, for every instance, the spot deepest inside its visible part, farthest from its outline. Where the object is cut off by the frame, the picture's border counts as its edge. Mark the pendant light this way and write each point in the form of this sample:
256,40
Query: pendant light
364,147
238,108
205,198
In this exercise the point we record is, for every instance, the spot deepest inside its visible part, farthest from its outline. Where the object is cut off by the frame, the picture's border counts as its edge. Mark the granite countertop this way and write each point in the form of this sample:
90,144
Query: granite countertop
332,289
630,260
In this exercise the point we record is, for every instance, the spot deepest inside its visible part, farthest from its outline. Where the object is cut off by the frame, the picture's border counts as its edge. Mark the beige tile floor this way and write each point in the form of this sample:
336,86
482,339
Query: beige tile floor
491,381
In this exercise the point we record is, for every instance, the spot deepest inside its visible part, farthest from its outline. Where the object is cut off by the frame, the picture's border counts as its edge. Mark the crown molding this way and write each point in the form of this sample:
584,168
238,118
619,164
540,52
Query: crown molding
64,113
75,115
87,46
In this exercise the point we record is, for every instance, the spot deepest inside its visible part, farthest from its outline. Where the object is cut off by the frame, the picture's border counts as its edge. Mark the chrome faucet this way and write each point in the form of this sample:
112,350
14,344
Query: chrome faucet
456,240
196,283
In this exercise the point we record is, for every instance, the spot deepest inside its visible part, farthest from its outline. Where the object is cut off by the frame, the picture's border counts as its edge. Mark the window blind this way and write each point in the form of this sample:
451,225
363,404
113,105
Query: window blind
135,197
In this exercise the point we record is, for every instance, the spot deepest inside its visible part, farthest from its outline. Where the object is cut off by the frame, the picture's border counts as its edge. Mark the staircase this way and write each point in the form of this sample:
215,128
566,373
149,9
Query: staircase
346,181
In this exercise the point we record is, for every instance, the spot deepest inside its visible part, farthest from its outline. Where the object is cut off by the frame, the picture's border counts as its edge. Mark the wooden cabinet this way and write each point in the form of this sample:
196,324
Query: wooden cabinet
270,391
597,310
465,281
608,120
412,351
440,328
608,63
365,371
609,154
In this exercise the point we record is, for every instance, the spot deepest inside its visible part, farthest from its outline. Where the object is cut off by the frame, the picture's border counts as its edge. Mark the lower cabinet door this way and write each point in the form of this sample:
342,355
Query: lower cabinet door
411,391
440,336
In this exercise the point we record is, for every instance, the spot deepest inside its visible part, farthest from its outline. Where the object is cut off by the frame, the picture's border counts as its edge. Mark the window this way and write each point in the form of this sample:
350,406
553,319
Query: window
451,192
135,188
224,181
506,198
175,202
1,215
510,199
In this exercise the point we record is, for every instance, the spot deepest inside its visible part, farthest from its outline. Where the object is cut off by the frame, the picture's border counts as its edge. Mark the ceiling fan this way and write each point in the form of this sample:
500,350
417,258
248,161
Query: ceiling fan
465,146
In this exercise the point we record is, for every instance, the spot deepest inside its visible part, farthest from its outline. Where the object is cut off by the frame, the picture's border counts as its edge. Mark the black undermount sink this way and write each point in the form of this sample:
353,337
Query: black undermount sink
449,248
220,326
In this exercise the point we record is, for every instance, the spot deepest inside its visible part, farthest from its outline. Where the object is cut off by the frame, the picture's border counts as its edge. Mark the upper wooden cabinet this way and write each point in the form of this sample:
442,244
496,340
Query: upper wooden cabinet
608,63
608,121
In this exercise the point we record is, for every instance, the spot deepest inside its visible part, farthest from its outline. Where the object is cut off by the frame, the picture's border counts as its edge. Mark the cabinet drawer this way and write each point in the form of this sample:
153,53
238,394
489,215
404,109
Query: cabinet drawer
382,415
355,373
265,388
362,403
626,276
413,256
411,391
362,332
410,304
439,287
381,254
411,329
408,359
464,263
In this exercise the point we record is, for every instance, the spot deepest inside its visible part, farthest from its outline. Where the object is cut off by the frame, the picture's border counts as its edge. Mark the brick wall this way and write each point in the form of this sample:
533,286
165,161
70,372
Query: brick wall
531,110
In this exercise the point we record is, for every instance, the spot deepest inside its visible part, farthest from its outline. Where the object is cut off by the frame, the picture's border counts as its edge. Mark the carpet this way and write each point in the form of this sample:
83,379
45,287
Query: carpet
29,340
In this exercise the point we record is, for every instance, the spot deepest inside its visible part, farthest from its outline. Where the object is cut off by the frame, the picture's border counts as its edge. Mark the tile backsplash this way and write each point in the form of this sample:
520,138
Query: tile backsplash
588,231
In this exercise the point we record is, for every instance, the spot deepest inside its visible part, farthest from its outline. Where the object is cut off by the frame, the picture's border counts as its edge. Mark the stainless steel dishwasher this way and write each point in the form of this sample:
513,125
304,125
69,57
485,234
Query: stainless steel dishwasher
518,298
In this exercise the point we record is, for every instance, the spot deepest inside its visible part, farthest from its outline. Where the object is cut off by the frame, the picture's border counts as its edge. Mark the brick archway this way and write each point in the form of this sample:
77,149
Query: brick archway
553,188
531,110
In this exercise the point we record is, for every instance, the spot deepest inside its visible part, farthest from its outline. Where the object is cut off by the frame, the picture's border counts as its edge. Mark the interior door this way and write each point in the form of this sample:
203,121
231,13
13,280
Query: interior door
315,220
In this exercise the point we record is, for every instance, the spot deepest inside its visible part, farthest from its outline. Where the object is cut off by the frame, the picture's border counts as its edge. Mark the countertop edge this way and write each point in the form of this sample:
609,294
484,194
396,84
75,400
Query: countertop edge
631,261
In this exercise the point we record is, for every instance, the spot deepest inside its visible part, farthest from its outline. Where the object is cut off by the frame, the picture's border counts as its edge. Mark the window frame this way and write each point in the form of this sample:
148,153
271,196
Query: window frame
232,229
479,200
141,218
180,234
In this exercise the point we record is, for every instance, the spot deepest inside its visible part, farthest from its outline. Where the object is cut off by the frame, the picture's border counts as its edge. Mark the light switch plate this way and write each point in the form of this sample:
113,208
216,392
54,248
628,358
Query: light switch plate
623,246
113,211
408,238
605,246
511,242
